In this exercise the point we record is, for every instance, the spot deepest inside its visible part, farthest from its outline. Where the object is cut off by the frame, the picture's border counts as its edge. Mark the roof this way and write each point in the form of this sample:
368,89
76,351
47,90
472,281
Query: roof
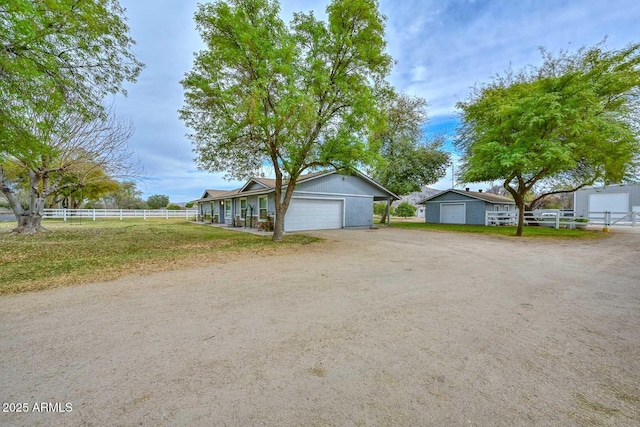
487,197
270,185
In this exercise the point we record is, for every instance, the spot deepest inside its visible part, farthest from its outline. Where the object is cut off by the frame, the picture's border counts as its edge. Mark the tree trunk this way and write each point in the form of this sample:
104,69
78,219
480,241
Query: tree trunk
383,220
521,208
29,223
282,204
278,225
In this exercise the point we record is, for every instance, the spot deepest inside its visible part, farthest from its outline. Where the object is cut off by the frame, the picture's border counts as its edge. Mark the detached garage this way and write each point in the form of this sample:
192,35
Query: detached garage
463,206
619,199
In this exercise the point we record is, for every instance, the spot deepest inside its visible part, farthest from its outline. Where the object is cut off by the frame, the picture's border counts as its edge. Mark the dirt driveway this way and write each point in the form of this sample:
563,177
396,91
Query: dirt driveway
373,327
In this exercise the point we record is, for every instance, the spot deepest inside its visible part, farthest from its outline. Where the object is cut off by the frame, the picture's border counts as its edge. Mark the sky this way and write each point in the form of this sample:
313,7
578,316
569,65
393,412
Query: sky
442,48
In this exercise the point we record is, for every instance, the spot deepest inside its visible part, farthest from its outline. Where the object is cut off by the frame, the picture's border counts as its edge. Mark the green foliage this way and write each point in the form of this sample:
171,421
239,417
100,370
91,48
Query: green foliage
173,207
569,123
189,205
157,201
127,196
405,210
58,54
406,161
296,97
379,209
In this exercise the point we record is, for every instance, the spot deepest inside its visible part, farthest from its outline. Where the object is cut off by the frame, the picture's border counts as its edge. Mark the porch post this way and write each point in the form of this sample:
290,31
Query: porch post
389,211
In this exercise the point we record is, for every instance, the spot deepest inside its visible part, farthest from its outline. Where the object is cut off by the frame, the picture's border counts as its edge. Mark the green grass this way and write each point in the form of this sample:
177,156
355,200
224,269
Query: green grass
81,252
501,231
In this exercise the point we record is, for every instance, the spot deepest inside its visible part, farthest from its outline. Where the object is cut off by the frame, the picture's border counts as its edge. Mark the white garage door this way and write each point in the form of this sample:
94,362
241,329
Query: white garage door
609,202
313,214
452,213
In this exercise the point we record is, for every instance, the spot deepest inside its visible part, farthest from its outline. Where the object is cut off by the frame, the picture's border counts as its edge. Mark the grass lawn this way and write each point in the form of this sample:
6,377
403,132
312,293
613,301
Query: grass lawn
87,251
502,230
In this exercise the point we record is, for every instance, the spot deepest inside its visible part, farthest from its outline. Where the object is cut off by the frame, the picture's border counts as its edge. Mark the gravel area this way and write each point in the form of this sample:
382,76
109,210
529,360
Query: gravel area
371,328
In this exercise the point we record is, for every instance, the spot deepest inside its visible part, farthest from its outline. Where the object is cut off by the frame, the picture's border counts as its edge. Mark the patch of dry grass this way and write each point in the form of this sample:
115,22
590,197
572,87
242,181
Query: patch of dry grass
71,254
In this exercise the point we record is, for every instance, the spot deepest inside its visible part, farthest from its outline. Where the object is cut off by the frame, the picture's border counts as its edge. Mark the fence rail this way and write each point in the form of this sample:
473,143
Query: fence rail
563,219
93,214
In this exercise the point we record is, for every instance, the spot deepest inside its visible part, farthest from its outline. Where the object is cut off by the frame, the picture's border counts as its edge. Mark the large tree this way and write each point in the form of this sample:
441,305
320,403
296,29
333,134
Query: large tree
78,153
57,58
407,160
296,98
571,122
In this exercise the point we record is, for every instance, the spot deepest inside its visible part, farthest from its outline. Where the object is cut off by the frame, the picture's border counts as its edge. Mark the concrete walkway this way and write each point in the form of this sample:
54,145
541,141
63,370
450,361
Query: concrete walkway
240,229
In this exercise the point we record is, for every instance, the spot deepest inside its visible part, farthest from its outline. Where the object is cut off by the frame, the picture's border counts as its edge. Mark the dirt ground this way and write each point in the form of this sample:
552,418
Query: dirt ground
373,327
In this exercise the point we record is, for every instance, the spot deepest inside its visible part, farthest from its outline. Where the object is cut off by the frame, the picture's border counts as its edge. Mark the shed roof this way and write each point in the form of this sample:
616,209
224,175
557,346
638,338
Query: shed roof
487,197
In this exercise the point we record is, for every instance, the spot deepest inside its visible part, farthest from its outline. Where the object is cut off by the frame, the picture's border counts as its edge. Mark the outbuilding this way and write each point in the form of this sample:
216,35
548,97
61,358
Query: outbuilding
619,199
464,206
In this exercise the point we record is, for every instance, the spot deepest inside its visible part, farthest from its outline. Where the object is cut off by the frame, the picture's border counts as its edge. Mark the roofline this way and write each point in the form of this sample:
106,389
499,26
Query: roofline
464,193
267,190
249,182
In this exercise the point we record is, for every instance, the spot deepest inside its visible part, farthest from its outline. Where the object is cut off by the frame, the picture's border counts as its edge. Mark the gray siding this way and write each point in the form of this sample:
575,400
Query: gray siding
474,209
254,186
341,184
581,197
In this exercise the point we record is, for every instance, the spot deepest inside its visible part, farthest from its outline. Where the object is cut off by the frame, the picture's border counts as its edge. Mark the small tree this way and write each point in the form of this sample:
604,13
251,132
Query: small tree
569,123
157,201
405,210
126,196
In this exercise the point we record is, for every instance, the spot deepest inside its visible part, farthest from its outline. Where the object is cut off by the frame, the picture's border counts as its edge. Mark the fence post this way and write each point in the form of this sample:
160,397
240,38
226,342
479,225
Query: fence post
633,218
64,214
607,220
144,214
557,220
486,218
167,214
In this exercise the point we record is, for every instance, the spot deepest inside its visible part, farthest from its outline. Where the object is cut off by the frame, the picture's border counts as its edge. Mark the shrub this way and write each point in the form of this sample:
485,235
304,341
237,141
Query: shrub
405,210
173,207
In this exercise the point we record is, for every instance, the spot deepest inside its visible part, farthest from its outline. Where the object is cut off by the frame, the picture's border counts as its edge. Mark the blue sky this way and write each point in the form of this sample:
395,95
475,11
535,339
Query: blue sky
442,49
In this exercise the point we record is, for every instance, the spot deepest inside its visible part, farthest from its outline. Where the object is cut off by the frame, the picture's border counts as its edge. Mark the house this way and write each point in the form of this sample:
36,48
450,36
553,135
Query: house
464,206
321,200
619,199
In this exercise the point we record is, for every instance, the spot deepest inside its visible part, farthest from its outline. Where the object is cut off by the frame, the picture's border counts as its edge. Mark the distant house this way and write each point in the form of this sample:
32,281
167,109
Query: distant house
463,206
321,200
619,199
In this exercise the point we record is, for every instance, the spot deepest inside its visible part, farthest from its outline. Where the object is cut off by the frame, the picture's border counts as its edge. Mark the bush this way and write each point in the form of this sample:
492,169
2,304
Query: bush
173,207
380,208
405,210
189,205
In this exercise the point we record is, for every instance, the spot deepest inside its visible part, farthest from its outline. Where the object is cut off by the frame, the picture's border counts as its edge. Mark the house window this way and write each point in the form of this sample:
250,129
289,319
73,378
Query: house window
496,207
262,205
243,208
227,209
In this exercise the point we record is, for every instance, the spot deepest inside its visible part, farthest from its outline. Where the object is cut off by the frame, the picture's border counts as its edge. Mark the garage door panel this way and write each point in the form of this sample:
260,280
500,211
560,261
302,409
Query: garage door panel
314,214
609,202
452,213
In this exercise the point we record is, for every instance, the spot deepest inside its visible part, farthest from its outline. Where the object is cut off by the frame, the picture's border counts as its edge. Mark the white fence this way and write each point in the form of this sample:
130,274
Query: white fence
93,214
565,219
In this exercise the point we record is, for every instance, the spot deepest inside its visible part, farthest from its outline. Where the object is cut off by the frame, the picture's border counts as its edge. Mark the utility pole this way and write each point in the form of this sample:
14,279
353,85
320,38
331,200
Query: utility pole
453,168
